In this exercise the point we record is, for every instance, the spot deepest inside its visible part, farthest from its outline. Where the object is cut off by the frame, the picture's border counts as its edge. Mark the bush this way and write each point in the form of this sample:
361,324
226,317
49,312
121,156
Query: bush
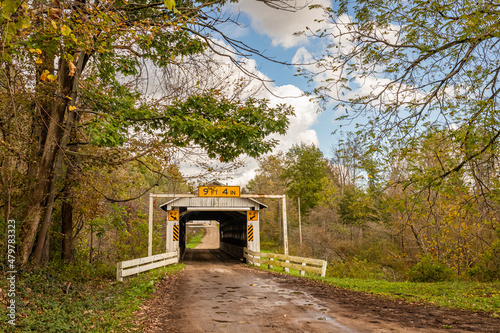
427,270
488,267
360,269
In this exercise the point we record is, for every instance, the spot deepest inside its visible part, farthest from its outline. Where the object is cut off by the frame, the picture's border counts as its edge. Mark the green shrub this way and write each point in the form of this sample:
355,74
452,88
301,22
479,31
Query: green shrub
488,267
194,237
360,269
428,270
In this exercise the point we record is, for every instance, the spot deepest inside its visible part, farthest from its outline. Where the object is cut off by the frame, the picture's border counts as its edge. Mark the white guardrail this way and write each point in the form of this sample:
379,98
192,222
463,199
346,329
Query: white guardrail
273,259
135,266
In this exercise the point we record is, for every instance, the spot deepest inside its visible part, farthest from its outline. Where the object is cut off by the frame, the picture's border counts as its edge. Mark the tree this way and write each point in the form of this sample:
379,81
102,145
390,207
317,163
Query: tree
304,172
445,221
408,66
268,181
346,161
66,72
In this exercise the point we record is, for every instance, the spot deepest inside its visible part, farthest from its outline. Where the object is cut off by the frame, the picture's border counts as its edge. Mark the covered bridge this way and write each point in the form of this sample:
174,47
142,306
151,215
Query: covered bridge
238,221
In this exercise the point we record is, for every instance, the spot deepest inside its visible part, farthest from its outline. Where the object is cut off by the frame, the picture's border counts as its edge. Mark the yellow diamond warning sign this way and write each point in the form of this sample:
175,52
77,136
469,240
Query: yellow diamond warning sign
253,215
173,215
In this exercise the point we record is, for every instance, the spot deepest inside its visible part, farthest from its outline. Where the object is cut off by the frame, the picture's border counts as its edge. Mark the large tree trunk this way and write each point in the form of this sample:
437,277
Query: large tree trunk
47,173
44,177
46,250
58,170
67,210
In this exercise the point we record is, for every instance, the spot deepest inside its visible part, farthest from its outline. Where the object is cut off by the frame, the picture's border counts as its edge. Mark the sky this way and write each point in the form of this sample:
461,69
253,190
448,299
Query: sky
272,32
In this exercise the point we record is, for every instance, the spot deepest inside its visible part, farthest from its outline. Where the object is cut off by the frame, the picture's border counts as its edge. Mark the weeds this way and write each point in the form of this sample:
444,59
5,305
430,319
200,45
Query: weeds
51,299
195,238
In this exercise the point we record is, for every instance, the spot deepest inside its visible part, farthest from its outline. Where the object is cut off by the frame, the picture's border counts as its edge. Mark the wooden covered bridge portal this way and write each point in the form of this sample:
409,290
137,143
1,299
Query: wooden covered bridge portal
238,220
237,214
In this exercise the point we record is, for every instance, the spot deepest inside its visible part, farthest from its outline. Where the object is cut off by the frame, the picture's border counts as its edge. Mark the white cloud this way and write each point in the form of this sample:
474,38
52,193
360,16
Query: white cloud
305,117
328,68
299,131
281,25
233,83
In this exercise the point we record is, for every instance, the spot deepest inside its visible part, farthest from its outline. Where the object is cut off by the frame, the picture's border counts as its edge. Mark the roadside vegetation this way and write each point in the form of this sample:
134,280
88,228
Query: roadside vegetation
465,295
82,298
194,236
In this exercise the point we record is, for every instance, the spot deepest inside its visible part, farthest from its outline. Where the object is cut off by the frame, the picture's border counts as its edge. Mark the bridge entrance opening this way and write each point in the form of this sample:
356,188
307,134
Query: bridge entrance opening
202,234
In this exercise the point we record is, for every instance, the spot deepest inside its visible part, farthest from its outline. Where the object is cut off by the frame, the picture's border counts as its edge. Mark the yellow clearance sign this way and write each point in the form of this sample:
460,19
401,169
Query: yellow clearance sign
219,191
173,215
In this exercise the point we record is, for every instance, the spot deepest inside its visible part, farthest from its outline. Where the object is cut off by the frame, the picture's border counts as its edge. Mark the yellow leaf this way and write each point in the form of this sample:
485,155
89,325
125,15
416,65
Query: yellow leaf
38,61
65,30
170,4
37,51
44,76
72,68
71,108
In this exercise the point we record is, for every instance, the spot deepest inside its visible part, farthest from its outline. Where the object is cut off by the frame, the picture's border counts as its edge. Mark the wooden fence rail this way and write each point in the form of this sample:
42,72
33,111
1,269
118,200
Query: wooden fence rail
135,266
273,259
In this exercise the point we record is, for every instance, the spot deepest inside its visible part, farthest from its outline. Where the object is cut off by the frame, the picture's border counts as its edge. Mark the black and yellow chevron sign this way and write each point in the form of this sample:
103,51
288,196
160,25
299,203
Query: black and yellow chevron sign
176,232
250,233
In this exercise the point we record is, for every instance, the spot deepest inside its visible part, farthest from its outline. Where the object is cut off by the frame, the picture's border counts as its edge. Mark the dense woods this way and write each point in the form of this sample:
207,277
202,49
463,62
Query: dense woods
358,213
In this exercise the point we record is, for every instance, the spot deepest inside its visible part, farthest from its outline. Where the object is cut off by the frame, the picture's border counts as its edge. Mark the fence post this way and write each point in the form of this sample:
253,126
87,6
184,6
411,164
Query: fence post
323,269
302,273
119,277
150,225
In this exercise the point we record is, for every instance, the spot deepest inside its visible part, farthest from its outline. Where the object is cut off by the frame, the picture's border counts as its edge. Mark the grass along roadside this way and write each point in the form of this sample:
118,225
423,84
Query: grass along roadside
195,239
50,301
464,295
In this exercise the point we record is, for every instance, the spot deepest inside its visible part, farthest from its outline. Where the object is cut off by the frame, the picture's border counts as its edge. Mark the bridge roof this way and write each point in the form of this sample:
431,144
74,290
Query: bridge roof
213,204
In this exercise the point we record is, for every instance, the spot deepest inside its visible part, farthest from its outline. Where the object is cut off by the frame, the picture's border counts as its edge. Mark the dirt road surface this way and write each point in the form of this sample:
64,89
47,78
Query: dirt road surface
217,293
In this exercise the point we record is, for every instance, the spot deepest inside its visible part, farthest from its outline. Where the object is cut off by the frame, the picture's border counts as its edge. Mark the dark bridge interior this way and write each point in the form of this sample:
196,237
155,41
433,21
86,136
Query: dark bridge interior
233,233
